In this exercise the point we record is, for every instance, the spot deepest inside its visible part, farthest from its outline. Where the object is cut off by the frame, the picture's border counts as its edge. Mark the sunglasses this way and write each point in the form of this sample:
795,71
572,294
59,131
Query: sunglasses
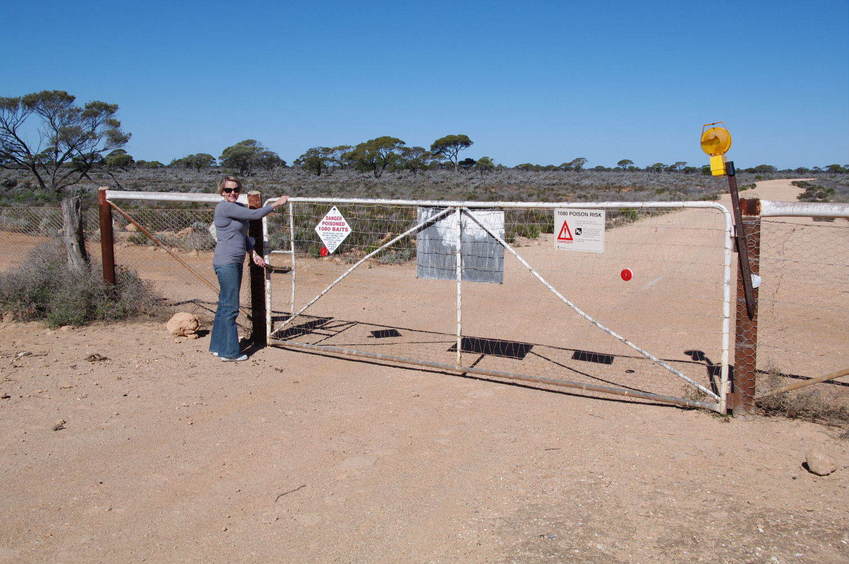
229,190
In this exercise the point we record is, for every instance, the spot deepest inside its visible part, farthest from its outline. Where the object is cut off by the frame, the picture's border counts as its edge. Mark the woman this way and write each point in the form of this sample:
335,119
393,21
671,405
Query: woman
231,232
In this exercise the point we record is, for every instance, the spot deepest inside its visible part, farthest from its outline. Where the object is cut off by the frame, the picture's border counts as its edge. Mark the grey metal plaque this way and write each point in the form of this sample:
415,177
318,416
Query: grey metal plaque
482,255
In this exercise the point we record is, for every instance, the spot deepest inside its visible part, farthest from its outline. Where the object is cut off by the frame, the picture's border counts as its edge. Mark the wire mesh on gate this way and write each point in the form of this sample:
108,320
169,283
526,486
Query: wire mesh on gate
670,316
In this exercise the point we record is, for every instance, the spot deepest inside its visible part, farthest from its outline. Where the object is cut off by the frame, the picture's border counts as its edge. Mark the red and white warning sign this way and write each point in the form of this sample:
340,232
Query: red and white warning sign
579,229
332,229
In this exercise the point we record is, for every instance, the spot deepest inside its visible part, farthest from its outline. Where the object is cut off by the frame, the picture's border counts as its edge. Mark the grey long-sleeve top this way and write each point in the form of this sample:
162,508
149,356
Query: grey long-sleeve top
231,231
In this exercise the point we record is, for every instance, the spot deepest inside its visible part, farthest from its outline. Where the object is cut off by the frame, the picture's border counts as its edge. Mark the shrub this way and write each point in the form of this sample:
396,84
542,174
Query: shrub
43,288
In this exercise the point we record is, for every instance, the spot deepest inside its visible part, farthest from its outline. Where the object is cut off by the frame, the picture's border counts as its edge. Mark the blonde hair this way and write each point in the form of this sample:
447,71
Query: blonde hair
226,179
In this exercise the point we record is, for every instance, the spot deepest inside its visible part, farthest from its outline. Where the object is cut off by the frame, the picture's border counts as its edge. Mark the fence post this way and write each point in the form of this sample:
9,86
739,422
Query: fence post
107,241
746,328
258,335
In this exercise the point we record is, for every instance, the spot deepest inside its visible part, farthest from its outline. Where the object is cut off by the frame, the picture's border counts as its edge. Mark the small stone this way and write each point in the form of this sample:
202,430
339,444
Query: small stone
819,463
59,425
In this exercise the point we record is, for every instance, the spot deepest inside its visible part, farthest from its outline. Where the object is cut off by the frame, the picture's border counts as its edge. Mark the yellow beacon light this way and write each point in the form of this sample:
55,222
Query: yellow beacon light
715,142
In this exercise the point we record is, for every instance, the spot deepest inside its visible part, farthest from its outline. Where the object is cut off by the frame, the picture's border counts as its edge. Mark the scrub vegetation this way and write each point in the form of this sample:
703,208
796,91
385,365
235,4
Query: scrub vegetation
44,288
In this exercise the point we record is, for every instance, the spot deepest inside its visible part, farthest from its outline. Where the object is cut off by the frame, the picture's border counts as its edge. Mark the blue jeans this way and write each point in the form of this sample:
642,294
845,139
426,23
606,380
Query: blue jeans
225,337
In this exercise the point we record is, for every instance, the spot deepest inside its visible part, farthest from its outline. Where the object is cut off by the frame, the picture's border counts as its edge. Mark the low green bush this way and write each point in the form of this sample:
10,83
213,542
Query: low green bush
44,288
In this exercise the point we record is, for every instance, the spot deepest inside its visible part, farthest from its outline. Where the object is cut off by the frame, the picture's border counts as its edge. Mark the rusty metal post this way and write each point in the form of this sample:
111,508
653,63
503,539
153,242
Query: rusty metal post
740,237
258,334
742,398
107,240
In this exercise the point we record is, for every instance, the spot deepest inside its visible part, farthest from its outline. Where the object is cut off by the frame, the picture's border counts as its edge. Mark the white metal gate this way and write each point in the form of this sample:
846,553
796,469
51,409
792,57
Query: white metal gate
648,317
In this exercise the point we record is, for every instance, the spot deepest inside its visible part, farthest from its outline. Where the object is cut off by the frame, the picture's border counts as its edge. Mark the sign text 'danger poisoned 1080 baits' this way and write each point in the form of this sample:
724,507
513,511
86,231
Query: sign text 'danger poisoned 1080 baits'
333,229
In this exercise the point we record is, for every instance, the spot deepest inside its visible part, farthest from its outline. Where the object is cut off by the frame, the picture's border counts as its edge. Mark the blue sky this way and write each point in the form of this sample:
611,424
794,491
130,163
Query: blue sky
540,82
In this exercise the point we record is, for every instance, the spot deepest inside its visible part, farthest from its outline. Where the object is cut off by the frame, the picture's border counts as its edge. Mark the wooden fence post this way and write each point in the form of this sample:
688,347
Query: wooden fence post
258,335
107,241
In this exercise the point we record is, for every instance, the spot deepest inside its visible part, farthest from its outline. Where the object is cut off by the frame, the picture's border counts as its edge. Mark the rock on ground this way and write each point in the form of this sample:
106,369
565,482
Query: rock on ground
819,462
183,324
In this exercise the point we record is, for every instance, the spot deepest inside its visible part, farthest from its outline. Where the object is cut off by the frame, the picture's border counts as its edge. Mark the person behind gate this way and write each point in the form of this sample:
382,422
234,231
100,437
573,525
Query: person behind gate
231,222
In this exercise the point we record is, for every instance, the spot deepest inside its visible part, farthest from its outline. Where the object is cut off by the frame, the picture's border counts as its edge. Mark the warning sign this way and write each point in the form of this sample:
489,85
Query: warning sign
565,234
333,229
579,229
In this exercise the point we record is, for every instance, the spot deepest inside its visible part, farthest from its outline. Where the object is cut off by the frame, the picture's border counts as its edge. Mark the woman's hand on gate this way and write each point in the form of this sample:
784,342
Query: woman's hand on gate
258,260
280,201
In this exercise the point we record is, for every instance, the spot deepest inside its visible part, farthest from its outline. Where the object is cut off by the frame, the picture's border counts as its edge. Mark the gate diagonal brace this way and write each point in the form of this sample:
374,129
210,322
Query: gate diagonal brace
586,316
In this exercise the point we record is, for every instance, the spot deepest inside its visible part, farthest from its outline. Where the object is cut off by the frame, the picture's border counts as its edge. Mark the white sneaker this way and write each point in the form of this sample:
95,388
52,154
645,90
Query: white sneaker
236,359
215,354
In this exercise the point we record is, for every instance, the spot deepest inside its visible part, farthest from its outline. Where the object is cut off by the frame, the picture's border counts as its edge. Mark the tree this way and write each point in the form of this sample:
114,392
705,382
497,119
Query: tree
527,167
466,163
449,147
578,164
316,160
196,161
115,161
248,155
484,165
149,164
656,167
58,142
762,168
414,159
269,160
119,159
337,156
624,163
574,164
200,161
375,155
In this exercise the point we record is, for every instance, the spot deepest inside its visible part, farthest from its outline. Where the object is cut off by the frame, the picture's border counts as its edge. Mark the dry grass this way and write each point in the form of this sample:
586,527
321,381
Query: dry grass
814,403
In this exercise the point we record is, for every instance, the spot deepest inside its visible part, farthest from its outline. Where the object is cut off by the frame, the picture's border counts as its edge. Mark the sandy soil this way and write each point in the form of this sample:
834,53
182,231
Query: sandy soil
169,455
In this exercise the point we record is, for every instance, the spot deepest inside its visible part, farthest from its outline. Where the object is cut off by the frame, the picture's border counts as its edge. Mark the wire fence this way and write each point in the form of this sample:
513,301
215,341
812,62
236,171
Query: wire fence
803,327
183,231
670,306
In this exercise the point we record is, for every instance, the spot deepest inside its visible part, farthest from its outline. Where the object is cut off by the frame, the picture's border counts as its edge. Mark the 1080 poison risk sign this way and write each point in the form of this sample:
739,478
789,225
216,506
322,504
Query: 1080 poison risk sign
579,229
